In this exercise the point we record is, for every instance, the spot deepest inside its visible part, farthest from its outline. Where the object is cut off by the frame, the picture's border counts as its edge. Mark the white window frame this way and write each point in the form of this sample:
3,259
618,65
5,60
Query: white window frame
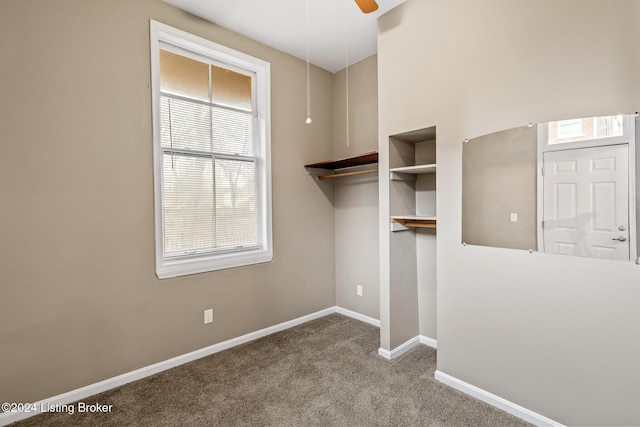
161,34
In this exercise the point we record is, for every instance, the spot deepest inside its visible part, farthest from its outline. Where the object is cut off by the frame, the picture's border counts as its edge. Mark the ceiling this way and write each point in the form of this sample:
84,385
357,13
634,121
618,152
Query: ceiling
281,24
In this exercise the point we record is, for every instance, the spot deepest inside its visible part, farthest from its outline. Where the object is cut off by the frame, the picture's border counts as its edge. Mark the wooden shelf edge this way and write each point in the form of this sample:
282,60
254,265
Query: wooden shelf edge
347,162
340,174
416,222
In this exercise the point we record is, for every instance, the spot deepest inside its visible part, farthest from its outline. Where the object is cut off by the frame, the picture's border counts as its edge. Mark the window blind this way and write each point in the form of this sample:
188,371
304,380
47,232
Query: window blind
209,169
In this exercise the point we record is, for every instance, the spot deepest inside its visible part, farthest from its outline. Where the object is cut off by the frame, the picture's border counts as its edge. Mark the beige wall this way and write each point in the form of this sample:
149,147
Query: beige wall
356,236
363,109
80,300
356,198
557,335
494,166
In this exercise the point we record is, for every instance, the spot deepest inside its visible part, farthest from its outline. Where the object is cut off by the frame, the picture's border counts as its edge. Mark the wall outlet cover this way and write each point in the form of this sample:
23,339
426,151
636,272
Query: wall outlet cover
208,316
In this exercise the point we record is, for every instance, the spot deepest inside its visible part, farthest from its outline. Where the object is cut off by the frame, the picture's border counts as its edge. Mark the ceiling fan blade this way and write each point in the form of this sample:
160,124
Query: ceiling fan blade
367,6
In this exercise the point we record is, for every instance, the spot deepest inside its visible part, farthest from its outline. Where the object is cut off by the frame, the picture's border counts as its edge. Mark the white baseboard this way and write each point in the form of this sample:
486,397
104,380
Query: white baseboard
496,401
428,341
403,348
358,316
99,387
384,353
400,350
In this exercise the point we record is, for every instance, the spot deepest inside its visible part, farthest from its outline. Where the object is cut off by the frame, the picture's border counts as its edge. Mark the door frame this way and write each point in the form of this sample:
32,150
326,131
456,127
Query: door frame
628,139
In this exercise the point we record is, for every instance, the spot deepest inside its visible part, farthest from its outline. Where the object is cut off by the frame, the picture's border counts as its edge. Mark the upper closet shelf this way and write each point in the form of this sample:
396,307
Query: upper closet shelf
403,173
343,167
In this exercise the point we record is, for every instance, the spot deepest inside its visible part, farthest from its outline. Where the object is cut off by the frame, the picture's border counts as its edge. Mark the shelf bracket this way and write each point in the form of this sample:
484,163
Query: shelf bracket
397,226
319,171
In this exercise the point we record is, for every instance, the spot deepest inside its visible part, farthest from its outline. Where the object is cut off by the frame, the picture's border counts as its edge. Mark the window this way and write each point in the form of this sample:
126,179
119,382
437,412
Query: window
585,129
211,155
571,128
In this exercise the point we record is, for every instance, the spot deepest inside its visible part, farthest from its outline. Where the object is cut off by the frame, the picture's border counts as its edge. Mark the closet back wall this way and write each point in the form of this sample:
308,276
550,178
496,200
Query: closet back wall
356,198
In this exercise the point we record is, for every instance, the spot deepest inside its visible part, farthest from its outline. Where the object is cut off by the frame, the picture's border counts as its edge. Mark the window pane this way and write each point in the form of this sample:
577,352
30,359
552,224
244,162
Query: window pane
185,125
230,88
188,204
183,76
236,216
608,126
232,132
570,128
585,129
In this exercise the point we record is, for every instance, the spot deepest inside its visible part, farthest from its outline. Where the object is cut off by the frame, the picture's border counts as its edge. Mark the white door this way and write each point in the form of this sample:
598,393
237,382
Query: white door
586,202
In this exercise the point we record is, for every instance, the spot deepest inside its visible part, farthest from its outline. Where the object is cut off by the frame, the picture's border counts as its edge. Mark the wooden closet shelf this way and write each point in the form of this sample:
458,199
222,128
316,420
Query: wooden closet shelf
416,221
347,162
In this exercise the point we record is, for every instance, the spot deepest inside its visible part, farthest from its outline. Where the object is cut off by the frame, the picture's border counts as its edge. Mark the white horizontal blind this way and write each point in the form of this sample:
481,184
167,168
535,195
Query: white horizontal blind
185,125
188,204
232,132
209,173
236,221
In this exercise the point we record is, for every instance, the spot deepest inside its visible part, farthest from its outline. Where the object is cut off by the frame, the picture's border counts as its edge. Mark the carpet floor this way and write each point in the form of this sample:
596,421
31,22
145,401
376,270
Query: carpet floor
322,373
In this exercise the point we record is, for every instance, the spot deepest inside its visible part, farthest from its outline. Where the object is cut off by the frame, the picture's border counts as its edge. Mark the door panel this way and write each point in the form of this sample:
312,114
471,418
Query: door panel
586,202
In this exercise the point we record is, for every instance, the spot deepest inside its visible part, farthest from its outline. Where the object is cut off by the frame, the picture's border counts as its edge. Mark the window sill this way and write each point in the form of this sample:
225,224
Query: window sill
184,267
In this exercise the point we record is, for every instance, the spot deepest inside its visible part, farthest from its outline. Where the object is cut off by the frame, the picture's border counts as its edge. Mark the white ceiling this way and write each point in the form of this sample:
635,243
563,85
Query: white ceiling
282,24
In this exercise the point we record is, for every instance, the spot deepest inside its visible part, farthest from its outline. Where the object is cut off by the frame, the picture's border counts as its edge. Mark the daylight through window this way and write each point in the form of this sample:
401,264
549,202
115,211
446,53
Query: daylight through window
585,129
211,148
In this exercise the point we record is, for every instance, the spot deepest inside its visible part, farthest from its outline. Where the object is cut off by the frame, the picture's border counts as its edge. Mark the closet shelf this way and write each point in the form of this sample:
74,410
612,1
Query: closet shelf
412,221
407,173
343,167
417,170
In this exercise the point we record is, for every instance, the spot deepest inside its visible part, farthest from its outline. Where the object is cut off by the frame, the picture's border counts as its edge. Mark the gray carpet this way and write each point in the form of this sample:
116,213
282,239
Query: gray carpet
323,373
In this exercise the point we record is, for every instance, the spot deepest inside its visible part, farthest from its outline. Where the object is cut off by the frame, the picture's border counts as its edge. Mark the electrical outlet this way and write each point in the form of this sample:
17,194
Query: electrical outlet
359,290
513,217
208,316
